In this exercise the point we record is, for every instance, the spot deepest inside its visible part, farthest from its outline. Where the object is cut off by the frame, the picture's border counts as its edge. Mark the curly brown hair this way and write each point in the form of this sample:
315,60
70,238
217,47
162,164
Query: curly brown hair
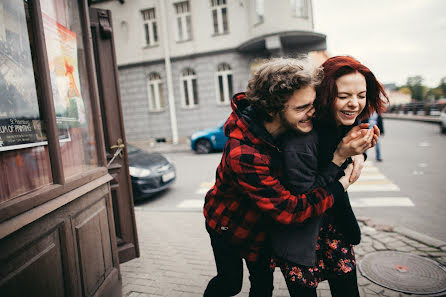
275,82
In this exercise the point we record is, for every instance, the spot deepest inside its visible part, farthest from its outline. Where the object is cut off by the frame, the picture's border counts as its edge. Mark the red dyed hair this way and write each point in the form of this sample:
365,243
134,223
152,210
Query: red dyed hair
327,91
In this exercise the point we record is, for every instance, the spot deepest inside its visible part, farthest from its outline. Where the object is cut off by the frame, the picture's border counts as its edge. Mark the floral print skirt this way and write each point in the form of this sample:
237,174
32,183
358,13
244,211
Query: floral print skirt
333,257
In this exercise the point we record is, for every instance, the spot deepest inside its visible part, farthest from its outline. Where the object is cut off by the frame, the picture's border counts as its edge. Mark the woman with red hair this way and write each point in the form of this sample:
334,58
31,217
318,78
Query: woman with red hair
322,247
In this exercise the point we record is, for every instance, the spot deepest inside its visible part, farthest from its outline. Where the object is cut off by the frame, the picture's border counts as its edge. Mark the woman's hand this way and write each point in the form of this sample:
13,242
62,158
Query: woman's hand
358,164
345,180
377,134
356,142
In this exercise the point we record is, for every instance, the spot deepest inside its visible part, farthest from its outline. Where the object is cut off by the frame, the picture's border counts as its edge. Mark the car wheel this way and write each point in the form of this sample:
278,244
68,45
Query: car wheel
203,146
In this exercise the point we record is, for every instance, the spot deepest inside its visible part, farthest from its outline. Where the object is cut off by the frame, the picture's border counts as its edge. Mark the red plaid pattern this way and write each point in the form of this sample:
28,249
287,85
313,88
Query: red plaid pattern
247,195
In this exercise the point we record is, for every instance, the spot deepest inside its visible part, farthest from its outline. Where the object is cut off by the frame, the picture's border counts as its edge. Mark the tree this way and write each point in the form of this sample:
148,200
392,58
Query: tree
442,86
415,84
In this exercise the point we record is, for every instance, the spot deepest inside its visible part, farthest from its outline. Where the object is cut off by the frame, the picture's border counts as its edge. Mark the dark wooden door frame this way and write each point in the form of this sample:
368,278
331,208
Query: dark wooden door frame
113,126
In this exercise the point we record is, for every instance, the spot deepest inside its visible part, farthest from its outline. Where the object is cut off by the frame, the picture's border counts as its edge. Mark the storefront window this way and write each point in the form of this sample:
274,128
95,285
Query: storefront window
24,159
70,85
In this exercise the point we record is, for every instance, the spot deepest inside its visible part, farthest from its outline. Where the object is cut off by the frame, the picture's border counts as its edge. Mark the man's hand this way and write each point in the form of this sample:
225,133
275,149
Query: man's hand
345,180
358,164
356,142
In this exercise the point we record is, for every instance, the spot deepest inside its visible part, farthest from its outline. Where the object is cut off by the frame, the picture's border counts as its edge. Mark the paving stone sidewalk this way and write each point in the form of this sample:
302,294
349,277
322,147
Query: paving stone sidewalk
177,261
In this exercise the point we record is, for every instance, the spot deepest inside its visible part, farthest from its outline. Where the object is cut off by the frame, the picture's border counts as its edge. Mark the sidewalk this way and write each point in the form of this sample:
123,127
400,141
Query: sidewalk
177,261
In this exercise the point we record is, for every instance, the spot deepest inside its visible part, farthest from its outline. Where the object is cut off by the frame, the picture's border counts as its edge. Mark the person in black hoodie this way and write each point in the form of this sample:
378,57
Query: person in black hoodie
322,247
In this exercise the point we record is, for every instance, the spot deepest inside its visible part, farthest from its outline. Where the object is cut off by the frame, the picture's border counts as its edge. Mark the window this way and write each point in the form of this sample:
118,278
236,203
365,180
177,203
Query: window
155,92
150,28
189,88
70,86
299,8
224,83
260,10
219,16
24,158
183,21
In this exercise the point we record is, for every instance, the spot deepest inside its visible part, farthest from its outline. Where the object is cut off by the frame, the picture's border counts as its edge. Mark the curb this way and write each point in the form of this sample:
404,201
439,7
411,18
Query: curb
422,238
426,119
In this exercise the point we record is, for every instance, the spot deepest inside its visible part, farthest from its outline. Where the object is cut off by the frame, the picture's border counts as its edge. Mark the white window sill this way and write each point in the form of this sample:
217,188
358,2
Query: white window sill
157,110
149,46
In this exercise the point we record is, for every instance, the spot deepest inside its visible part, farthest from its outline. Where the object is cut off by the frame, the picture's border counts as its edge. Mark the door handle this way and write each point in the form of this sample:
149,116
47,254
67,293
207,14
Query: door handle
119,146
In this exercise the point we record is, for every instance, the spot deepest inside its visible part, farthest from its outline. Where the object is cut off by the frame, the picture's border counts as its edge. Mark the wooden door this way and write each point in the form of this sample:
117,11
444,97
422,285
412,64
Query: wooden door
114,134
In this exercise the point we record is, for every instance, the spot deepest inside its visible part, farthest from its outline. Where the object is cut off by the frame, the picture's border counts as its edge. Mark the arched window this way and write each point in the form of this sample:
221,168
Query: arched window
155,92
224,83
189,92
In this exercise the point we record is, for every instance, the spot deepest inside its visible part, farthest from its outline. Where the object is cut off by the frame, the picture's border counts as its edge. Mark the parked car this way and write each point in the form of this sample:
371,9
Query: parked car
443,121
150,173
208,140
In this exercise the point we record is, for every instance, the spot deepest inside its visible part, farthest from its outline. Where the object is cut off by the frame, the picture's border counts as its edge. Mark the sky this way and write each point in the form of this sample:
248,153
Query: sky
394,38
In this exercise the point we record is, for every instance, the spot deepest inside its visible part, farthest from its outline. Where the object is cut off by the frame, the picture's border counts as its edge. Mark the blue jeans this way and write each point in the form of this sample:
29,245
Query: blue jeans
378,151
228,281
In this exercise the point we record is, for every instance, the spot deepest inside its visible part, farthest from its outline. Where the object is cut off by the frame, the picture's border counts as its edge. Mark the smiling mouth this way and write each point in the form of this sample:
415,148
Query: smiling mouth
349,113
306,121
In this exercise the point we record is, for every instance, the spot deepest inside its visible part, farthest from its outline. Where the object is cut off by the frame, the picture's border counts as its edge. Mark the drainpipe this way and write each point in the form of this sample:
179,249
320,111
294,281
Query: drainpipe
171,99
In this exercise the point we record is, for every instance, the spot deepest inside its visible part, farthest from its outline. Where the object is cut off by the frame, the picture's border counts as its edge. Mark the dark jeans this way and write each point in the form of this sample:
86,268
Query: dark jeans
340,286
228,281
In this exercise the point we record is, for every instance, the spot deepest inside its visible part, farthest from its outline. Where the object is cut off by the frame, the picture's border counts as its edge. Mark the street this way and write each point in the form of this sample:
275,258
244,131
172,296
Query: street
405,190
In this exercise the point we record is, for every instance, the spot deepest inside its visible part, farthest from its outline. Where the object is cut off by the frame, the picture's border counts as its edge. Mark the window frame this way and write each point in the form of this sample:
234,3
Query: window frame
192,92
218,17
227,93
183,19
304,8
150,24
62,187
260,11
159,101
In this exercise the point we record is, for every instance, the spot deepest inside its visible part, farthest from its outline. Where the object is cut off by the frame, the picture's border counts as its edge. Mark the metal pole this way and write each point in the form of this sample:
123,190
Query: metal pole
165,37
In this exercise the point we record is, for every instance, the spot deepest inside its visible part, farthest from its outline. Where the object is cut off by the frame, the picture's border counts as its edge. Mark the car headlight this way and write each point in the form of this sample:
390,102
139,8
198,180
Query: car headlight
139,172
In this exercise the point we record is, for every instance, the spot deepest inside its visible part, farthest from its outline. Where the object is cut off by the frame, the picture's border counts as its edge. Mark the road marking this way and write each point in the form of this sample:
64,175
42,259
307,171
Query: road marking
373,188
382,180
367,177
204,188
368,169
191,204
382,202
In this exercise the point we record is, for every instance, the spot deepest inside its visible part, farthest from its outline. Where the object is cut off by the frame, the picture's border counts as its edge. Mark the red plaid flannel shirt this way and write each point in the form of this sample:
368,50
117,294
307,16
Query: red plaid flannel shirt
247,195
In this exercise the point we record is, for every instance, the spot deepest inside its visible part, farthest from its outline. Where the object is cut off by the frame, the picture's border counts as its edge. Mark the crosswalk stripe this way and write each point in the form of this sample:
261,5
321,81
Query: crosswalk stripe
373,188
381,202
204,187
191,203
368,169
383,181
367,177
202,191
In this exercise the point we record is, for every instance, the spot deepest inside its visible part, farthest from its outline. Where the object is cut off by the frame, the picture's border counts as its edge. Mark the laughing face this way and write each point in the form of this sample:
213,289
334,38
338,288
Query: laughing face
299,111
351,98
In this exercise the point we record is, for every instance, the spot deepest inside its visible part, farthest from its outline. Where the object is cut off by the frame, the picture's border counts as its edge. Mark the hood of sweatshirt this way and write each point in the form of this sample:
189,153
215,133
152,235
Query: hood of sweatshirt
244,125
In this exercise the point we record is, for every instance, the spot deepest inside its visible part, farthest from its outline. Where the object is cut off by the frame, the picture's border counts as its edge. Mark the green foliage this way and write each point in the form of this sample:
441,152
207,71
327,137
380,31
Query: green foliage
420,92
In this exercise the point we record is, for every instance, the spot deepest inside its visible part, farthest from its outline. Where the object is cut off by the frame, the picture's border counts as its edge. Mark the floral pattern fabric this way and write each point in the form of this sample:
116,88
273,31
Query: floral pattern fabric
333,257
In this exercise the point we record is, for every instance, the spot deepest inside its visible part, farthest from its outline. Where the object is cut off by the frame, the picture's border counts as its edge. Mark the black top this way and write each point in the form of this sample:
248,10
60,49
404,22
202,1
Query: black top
307,162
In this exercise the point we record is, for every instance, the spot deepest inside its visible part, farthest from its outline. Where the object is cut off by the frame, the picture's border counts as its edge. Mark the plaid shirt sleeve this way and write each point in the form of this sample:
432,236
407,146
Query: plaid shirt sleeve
253,172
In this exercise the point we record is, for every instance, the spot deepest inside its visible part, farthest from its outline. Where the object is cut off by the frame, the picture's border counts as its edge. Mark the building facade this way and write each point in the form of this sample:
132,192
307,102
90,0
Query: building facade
180,61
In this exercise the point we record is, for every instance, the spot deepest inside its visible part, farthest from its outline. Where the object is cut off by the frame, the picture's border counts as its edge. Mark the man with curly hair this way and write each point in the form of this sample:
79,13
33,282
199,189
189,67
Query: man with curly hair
248,197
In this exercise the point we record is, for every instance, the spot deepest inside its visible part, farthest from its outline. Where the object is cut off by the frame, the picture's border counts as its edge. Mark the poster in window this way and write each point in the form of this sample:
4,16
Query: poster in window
63,65
20,124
